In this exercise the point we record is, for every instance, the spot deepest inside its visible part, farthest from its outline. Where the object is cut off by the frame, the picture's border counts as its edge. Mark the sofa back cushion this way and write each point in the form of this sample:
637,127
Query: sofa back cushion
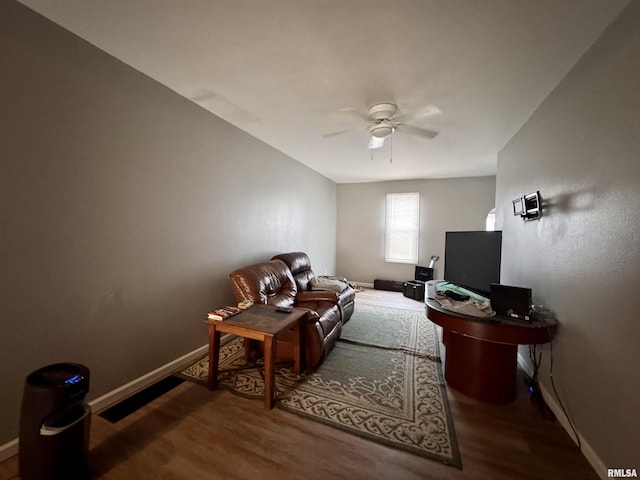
300,266
268,283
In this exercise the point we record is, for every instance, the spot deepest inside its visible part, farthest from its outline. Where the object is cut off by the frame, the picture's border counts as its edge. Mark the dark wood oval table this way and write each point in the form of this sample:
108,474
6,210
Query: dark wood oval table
481,357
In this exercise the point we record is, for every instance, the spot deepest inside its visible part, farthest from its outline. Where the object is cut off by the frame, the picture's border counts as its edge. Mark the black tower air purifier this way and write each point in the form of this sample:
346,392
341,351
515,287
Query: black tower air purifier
54,424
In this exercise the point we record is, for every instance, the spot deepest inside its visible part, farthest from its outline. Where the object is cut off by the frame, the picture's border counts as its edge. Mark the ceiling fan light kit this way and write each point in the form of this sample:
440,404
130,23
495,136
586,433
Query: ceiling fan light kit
375,142
382,130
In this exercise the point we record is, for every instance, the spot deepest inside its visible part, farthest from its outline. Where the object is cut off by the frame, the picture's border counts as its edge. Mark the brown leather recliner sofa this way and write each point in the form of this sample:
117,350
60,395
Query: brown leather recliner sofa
272,283
300,266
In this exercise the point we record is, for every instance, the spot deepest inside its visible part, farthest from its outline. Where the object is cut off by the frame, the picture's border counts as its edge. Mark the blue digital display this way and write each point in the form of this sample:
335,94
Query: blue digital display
74,379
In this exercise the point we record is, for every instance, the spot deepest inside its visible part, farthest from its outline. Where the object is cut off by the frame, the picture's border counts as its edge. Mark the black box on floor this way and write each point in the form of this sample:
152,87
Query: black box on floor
390,285
413,289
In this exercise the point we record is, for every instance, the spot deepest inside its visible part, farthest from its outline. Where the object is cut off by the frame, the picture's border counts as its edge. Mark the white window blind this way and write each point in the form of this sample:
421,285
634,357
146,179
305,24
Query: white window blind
402,227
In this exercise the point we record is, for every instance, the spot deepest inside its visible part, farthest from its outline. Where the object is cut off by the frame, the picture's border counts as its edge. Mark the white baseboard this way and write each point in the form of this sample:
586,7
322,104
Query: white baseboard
9,449
364,284
552,402
114,396
109,399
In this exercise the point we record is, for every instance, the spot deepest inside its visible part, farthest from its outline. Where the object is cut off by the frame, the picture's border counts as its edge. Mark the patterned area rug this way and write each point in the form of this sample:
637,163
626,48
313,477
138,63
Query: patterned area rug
382,381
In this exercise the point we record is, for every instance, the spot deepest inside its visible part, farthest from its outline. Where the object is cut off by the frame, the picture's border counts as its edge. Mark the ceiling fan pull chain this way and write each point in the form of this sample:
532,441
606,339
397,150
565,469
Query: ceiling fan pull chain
391,148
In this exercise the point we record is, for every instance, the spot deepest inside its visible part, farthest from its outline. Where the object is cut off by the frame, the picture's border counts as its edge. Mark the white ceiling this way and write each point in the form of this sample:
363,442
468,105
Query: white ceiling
288,71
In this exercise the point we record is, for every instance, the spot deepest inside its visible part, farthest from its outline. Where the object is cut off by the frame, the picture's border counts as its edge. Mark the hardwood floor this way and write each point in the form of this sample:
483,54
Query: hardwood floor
193,433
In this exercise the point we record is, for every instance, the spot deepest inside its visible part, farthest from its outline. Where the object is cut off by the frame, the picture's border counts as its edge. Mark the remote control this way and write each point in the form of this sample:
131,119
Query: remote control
283,309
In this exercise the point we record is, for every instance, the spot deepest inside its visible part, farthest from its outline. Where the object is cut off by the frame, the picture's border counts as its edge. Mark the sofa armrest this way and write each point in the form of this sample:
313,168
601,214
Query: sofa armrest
317,296
347,295
311,316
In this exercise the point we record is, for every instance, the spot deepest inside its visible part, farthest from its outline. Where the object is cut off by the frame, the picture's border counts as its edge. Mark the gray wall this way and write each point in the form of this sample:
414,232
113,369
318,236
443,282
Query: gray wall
123,207
445,205
581,150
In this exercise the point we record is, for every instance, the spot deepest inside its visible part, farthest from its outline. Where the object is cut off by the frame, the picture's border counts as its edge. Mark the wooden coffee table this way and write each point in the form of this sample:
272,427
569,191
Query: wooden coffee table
262,323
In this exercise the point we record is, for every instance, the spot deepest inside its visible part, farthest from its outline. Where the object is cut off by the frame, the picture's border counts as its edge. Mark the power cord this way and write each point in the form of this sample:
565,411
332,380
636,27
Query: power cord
534,388
555,391
535,394
536,358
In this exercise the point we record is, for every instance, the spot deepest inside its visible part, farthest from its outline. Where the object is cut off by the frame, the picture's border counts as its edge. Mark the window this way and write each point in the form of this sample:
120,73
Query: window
402,227
490,222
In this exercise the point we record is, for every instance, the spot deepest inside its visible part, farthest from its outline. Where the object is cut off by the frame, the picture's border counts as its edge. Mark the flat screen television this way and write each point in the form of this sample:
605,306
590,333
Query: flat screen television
472,259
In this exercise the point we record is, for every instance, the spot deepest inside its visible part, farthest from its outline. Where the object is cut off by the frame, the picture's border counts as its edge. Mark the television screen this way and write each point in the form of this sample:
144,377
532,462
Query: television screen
472,259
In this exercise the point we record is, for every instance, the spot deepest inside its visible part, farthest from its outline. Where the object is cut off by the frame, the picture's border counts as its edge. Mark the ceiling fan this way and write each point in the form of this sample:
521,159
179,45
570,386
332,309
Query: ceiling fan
383,122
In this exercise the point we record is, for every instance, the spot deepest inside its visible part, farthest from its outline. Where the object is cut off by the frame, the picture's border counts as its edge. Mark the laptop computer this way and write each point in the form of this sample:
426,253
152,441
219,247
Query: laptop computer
510,301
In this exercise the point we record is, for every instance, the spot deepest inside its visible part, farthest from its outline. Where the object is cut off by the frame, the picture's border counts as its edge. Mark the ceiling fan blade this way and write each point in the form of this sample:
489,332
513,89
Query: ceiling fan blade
375,142
429,110
417,131
340,132
355,113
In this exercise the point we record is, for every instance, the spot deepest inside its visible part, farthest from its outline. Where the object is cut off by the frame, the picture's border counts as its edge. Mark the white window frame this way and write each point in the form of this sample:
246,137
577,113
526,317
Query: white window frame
490,221
402,227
